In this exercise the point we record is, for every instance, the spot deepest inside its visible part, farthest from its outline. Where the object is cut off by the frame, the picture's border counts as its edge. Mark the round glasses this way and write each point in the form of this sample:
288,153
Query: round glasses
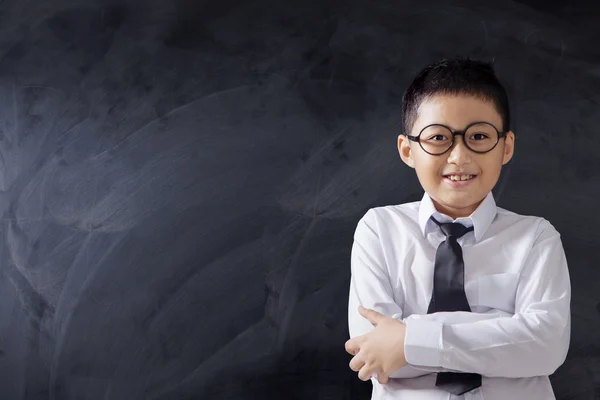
479,137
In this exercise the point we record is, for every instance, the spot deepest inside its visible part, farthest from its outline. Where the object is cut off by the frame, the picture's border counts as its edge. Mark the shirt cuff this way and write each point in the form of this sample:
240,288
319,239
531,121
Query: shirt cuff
422,342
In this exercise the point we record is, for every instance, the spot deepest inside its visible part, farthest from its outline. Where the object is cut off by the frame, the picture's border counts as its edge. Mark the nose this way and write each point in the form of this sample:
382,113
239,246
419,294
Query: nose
459,153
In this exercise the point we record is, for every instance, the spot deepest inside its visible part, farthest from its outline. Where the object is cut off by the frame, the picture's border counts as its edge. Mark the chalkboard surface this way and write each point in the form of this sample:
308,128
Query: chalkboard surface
180,182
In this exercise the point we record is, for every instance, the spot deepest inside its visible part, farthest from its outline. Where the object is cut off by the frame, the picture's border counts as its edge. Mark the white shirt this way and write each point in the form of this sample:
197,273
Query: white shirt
517,284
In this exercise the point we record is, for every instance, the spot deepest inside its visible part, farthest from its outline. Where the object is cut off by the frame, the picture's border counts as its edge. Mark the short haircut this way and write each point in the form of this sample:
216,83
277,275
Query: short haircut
457,76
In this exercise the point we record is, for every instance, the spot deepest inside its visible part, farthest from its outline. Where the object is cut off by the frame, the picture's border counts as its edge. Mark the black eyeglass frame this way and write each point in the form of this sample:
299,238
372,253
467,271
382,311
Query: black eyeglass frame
417,138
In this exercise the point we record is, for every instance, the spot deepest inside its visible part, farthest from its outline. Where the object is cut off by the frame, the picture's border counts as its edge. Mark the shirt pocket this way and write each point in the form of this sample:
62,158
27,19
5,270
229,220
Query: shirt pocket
497,291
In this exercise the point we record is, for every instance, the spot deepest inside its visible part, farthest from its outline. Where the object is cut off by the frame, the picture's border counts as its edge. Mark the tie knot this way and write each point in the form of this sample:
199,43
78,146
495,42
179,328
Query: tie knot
452,229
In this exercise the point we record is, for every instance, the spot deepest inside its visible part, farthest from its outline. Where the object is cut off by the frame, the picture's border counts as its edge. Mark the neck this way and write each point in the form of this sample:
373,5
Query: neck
454,212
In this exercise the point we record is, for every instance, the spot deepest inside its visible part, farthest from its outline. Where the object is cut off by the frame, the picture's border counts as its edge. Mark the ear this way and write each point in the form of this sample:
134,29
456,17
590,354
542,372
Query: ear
405,150
509,147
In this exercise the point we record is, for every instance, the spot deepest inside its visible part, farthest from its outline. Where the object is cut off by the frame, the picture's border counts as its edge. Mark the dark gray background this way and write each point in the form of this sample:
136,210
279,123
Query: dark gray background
180,182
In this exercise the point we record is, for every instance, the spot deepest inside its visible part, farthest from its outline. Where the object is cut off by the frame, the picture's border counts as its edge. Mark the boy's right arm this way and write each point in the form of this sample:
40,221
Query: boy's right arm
370,287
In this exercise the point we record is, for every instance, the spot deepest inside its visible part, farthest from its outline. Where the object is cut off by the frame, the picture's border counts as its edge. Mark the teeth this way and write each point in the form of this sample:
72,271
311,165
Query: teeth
460,177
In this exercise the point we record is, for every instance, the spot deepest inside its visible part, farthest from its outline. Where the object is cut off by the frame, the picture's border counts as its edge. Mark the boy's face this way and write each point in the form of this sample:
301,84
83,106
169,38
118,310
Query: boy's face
456,112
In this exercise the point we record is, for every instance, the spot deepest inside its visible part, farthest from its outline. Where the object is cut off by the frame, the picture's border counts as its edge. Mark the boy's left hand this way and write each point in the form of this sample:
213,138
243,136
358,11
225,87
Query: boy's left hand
380,351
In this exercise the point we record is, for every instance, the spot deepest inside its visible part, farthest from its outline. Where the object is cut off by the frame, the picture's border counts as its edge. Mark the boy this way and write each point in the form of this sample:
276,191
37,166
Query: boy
453,297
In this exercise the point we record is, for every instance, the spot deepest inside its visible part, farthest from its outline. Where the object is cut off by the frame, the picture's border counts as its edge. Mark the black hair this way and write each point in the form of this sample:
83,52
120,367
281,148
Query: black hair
457,76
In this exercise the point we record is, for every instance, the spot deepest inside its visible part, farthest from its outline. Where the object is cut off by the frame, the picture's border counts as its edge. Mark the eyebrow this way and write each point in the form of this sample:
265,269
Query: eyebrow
464,127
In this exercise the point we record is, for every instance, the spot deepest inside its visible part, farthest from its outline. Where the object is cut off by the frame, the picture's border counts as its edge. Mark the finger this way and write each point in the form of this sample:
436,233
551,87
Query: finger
352,346
356,363
373,316
366,372
383,377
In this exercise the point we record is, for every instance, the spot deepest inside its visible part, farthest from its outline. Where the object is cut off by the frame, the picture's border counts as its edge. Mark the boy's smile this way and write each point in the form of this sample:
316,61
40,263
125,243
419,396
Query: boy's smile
458,180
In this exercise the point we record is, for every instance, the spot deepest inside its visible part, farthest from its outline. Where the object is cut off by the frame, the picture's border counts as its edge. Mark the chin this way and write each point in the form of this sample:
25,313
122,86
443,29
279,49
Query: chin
460,200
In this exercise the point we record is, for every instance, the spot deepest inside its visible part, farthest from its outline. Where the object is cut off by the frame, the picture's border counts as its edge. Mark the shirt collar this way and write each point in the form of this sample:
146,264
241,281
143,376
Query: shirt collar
480,219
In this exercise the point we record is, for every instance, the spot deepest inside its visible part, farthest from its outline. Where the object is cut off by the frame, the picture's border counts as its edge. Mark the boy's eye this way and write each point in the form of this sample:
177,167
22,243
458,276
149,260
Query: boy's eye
479,136
437,137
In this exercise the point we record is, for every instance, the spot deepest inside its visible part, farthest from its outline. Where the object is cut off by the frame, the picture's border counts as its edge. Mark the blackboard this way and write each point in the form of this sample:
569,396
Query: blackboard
180,182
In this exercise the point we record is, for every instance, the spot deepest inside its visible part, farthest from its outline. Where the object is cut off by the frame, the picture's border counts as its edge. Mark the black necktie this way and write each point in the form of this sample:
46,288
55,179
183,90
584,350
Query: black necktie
449,295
